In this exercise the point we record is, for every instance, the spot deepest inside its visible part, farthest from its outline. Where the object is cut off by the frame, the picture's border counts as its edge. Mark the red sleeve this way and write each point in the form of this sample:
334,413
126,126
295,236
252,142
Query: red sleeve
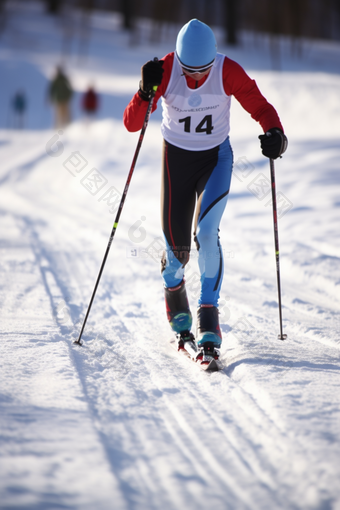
237,83
135,111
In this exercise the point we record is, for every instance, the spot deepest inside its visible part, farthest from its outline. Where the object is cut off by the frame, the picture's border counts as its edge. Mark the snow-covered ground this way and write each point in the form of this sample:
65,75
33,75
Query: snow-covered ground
124,422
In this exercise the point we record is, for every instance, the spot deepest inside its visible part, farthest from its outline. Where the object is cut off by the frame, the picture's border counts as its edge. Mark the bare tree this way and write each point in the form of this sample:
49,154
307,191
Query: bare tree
85,27
128,13
3,16
53,6
162,14
231,21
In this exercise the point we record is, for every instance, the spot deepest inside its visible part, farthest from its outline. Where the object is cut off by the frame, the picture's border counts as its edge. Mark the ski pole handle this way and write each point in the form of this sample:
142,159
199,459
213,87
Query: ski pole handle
155,87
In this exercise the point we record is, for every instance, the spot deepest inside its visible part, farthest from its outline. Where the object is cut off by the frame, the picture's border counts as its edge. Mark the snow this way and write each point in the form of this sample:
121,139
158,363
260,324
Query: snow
124,422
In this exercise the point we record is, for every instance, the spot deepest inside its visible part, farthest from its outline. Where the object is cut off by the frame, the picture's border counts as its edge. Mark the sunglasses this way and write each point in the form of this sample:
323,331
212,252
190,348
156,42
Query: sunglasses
193,70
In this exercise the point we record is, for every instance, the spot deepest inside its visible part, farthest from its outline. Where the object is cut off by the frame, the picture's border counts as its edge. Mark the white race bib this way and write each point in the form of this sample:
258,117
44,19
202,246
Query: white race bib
196,119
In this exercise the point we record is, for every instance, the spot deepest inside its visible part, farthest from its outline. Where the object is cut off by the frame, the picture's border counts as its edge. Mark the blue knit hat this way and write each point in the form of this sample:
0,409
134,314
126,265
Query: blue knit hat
196,44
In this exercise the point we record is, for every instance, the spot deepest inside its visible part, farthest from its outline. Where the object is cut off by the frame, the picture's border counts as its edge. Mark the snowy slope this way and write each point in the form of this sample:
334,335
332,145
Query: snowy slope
124,422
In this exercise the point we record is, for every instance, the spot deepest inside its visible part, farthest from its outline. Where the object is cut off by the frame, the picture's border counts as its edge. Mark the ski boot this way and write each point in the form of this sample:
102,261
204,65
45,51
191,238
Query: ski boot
208,334
178,313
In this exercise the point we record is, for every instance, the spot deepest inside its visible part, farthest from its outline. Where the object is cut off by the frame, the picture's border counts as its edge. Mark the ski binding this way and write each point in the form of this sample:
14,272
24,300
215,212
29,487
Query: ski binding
207,356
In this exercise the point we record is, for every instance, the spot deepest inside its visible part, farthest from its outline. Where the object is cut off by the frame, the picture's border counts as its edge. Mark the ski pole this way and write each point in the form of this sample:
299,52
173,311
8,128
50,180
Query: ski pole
281,336
115,224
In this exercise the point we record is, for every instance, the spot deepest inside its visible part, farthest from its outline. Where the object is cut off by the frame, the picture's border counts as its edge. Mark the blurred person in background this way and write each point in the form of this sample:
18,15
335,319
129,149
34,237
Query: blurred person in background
196,84
60,94
90,102
18,107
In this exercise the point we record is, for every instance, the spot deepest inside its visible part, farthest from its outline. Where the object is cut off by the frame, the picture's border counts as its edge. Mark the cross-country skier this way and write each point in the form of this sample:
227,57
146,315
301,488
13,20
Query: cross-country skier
19,105
60,93
90,101
196,84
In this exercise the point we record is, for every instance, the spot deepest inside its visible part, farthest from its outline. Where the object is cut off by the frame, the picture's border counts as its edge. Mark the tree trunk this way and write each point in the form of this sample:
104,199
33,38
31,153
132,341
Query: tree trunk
231,21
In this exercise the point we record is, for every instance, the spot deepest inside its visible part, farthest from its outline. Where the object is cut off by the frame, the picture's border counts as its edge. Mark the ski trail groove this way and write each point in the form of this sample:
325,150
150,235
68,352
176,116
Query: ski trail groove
51,281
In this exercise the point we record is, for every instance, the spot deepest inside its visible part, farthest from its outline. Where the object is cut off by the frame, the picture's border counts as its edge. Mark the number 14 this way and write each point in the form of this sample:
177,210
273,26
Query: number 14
205,126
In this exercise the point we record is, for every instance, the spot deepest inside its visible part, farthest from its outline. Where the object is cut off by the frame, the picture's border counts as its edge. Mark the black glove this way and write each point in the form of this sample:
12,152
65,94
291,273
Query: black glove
152,73
273,143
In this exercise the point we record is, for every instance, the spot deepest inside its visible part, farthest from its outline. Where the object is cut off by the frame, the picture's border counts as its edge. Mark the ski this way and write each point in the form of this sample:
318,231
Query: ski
207,361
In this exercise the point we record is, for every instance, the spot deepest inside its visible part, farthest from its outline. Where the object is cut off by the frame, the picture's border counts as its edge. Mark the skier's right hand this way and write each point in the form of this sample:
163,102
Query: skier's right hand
152,73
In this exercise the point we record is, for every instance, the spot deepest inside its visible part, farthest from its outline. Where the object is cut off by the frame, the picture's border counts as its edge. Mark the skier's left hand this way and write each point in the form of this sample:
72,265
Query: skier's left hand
273,143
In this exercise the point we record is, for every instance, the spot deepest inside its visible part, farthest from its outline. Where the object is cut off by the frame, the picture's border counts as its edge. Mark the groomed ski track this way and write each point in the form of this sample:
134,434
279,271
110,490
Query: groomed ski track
124,422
